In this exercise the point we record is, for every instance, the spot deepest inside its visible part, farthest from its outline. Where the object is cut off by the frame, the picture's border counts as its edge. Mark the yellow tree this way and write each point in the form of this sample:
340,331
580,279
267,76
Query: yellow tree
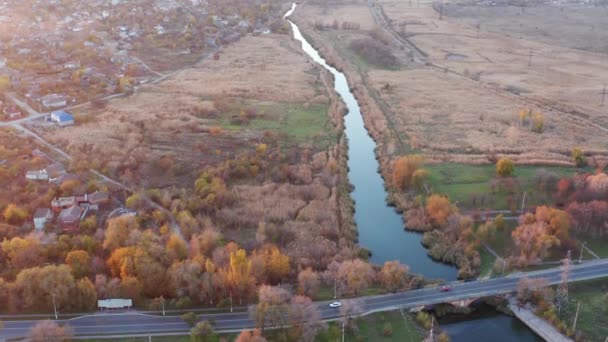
403,170
80,263
239,273
504,167
439,208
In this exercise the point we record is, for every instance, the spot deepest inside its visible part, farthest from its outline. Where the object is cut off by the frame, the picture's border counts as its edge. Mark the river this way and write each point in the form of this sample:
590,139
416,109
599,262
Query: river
381,228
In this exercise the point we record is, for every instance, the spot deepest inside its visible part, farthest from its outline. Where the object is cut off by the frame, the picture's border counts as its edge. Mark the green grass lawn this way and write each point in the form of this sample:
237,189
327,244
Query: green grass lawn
463,183
370,328
294,123
593,314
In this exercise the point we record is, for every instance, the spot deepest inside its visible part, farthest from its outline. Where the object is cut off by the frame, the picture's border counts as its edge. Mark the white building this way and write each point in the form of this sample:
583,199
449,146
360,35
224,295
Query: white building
114,304
41,217
37,175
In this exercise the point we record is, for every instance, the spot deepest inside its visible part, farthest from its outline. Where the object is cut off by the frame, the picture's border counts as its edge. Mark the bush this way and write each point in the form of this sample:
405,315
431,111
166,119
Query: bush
578,157
387,330
191,318
504,167
374,52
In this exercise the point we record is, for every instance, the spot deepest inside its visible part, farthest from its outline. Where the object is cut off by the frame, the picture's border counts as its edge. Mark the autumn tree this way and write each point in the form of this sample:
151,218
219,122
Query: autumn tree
499,222
486,231
185,278
272,308
504,167
23,253
39,287
80,263
308,282
538,122
202,332
393,275
304,319
117,233
211,190
49,331
14,214
85,295
355,276
533,241
250,336
439,208
275,264
578,157
404,169
239,273
532,290
419,177
176,247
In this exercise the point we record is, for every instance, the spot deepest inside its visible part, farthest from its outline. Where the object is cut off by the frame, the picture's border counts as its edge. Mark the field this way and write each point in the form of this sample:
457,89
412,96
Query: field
271,87
593,314
475,187
571,26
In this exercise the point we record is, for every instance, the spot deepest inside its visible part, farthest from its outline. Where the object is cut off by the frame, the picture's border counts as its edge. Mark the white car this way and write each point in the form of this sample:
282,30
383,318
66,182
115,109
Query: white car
335,305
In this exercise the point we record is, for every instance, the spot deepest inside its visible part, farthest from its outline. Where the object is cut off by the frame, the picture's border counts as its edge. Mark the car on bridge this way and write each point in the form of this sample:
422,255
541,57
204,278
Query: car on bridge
445,288
335,305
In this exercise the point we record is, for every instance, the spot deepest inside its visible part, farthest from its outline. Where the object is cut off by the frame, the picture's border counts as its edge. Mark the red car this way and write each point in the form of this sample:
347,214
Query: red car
445,288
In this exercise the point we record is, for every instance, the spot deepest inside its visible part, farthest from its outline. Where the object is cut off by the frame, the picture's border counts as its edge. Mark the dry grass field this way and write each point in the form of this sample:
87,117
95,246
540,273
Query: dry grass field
465,102
178,118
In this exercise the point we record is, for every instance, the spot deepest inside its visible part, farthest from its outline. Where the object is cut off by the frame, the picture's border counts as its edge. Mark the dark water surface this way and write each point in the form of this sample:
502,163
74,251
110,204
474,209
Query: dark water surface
381,228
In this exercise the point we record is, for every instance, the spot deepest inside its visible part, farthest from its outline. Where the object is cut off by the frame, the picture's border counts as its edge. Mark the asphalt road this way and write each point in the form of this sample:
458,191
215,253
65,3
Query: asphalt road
138,323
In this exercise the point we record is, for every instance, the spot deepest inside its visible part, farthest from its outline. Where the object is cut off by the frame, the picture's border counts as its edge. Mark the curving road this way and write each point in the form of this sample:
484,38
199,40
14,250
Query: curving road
143,324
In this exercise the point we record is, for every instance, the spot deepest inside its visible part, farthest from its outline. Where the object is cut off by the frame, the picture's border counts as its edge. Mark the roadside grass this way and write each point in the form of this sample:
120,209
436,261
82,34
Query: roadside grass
487,263
370,328
294,123
599,245
466,185
593,313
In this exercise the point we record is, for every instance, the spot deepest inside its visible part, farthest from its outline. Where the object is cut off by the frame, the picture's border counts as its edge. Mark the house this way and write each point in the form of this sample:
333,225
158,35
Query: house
62,118
41,217
98,198
11,112
54,101
69,219
62,203
114,304
37,175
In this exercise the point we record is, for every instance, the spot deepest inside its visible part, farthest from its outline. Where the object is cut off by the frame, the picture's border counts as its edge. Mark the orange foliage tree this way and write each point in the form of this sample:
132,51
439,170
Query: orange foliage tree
439,208
403,170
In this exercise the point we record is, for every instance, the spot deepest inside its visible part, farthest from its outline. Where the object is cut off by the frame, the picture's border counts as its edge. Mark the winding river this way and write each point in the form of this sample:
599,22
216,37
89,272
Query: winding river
381,227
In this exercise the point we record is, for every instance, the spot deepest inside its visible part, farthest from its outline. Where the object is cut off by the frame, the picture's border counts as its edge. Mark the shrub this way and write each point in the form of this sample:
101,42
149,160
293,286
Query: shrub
374,52
387,330
538,122
504,167
578,157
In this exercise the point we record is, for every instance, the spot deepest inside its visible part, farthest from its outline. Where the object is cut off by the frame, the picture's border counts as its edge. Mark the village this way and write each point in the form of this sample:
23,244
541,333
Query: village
74,52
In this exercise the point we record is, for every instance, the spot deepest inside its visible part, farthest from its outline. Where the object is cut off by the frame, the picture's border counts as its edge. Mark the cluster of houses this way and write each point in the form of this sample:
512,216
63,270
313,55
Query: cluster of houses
81,50
69,210
9,112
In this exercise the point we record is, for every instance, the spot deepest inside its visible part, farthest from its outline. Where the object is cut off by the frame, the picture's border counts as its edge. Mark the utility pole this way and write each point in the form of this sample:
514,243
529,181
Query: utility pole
604,94
335,287
580,257
504,265
54,306
162,301
578,306
342,331
530,58
230,300
523,203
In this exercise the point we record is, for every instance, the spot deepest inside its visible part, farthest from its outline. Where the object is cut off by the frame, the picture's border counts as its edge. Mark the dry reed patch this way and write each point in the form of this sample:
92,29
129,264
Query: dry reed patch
451,115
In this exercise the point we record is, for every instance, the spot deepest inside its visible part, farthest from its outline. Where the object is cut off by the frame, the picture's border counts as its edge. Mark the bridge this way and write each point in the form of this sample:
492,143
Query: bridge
124,324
